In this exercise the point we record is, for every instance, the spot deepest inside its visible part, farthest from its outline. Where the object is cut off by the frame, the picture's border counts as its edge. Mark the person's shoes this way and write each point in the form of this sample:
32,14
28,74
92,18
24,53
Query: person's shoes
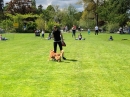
64,58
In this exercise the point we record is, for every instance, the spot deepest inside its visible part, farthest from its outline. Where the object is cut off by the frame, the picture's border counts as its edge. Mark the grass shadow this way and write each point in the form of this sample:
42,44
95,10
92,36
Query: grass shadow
70,60
73,60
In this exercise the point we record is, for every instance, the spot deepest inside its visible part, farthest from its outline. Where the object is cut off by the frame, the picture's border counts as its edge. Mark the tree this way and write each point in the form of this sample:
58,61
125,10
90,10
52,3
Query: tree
40,23
71,11
51,11
90,7
27,20
1,5
1,9
7,24
115,11
39,10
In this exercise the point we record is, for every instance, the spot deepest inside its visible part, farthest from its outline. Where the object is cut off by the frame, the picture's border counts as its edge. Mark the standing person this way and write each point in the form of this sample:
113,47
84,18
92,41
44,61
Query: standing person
43,33
58,38
79,28
73,31
120,30
66,28
88,31
96,30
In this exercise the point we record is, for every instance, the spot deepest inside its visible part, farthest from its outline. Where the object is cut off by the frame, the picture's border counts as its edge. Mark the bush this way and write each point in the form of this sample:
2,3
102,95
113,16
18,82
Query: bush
112,28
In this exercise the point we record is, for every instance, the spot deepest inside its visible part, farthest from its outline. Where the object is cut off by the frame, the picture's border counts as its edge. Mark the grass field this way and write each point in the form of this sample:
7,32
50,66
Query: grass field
95,67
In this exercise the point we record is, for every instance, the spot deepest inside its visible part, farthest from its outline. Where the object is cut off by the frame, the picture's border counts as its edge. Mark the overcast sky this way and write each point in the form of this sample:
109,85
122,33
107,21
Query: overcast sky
60,3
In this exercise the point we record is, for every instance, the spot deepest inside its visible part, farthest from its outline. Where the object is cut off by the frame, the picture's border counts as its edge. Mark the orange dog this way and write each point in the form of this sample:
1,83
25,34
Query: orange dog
56,56
59,56
52,55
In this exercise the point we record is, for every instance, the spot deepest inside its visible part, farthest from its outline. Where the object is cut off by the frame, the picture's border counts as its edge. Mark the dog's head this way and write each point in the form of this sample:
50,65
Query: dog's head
52,54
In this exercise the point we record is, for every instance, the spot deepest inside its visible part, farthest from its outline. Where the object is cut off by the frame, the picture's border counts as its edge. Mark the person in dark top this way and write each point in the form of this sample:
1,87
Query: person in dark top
80,37
74,31
111,38
58,38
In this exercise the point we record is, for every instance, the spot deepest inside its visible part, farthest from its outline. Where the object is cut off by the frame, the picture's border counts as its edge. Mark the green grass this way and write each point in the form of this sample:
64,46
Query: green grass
95,67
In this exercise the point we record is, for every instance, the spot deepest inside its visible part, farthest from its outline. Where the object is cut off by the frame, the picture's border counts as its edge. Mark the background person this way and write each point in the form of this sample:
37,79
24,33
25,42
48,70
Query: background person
96,30
80,37
43,33
2,38
111,38
66,28
88,31
74,31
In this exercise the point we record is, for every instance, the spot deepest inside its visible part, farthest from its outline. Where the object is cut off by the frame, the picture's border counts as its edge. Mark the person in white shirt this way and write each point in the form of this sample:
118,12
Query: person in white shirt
96,30
43,33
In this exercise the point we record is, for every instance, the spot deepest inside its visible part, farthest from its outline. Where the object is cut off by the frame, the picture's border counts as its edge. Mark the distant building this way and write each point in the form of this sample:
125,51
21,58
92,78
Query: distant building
21,6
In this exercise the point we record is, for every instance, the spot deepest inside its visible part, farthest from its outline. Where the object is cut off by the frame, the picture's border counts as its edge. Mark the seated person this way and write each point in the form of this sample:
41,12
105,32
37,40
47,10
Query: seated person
2,38
37,33
80,37
111,38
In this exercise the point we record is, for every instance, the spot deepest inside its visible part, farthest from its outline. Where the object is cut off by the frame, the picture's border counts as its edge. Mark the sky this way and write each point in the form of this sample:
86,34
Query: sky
60,3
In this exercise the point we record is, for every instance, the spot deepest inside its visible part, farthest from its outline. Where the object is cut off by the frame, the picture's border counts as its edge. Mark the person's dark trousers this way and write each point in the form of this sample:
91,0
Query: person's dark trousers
60,46
43,35
96,32
73,33
55,46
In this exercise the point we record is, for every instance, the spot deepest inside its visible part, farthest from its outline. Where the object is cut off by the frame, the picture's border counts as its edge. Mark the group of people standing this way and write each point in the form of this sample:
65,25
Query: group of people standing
74,31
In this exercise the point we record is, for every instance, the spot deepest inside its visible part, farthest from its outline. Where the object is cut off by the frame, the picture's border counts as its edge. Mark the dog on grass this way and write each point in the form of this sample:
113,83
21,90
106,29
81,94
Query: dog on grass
52,55
59,56
56,56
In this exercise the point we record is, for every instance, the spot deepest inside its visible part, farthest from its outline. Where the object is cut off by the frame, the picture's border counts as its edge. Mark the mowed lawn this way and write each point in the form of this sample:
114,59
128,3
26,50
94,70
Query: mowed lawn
95,67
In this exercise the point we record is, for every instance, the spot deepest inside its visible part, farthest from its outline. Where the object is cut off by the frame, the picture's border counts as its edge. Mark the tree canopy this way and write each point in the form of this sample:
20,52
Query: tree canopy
115,11
102,12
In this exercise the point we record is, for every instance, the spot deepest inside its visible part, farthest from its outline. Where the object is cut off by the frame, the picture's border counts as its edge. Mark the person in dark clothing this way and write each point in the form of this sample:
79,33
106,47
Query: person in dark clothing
58,38
80,37
111,38
96,30
74,31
